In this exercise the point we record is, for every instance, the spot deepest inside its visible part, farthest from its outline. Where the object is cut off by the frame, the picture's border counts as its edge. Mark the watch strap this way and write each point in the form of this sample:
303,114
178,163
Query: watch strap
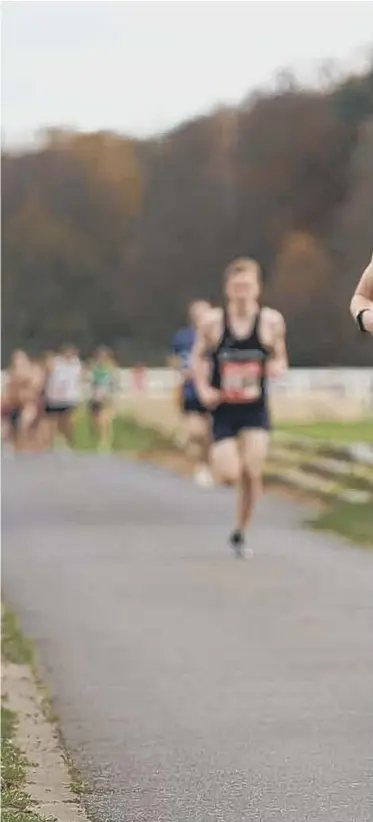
359,319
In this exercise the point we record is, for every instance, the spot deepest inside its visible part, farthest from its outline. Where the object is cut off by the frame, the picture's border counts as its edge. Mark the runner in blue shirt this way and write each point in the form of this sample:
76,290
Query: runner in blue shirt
197,419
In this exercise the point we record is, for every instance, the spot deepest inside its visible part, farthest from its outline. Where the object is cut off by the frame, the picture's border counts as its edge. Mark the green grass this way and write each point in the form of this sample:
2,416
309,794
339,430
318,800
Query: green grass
14,647
128,435
19,650
338,432
131,436
354,522
77,783
16,805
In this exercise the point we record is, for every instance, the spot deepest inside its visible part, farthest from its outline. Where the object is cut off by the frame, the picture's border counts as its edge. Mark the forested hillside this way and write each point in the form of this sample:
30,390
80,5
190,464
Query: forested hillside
106,238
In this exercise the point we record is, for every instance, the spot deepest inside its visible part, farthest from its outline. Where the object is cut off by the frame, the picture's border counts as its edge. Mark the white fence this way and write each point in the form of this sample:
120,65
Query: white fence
342,383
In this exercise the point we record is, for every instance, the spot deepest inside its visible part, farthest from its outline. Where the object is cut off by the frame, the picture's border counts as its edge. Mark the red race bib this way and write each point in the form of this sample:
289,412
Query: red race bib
241,381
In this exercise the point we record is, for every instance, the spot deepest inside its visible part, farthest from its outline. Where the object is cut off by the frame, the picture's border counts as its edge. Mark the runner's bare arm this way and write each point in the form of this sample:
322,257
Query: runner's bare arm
199,358
278,363
184,374
200,366
173,361
363,299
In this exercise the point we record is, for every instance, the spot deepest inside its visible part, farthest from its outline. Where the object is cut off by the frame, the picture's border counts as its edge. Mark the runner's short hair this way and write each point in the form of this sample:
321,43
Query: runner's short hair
68,347
192,303
242,264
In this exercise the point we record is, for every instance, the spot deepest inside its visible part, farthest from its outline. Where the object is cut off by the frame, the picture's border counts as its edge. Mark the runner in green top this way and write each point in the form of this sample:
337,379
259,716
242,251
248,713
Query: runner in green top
102,387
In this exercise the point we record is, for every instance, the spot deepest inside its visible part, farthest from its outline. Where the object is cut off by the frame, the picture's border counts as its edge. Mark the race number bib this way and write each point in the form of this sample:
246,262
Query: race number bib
241,381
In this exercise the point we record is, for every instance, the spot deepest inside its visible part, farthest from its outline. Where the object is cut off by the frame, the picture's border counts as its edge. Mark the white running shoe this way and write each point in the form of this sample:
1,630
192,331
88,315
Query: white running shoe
203,477
237,543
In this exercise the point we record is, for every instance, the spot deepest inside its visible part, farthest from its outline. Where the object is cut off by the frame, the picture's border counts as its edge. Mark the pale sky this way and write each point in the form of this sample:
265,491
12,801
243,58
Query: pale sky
142,67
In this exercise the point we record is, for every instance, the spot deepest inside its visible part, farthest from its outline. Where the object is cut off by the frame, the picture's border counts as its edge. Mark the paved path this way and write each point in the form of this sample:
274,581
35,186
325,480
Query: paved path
192,686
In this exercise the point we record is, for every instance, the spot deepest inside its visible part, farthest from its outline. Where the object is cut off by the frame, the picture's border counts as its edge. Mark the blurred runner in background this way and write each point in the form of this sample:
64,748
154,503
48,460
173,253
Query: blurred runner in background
196,417
63,393
102,387
362,301
18,408
36,433
247,345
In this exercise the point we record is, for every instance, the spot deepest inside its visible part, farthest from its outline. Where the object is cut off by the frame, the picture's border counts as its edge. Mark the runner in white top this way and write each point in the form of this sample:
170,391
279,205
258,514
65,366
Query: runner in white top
63,392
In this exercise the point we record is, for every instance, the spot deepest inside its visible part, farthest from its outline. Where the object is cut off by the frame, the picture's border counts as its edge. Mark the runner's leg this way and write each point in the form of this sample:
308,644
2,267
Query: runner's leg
14,415
93,422
66,425
197,428
253,448
225,461
26,418
104,422
51,428
34,428
5,428
44,431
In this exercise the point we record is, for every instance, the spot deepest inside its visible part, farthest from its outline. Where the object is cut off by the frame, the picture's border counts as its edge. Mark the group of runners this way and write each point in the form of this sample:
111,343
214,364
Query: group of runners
40,397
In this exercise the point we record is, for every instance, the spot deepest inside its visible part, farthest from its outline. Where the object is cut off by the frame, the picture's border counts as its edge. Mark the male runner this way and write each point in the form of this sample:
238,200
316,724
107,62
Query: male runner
18,404
102,378
362,302
63,393
197,420
247,346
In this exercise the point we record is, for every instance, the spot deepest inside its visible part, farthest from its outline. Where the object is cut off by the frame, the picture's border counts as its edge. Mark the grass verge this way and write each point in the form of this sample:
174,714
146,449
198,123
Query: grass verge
14,647
16,805
16,802
354,522
17,649
77,784
128,435
337,432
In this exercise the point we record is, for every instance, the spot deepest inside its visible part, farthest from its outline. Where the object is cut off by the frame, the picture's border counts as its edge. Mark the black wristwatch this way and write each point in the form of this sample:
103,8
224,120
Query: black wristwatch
359,319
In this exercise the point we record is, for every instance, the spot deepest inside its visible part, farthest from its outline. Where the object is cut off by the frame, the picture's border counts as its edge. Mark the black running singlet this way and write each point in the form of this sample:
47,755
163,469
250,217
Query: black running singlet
238,368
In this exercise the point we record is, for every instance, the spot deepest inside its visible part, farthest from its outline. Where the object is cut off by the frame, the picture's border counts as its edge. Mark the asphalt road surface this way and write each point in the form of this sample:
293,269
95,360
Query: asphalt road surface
190,685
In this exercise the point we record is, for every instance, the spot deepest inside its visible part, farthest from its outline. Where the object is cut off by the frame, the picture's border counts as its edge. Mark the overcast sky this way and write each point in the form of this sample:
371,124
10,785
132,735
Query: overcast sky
141,67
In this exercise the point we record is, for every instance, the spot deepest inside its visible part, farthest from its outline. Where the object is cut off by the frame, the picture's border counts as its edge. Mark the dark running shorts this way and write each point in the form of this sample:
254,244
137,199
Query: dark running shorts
58,409
13,416
95,406
193,406
228,422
